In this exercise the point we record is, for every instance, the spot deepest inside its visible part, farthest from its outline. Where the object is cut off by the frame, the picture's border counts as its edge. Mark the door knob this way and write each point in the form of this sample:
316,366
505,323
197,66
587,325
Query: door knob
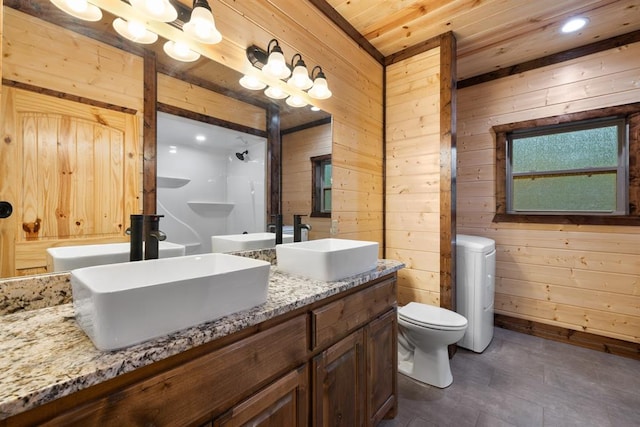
5,209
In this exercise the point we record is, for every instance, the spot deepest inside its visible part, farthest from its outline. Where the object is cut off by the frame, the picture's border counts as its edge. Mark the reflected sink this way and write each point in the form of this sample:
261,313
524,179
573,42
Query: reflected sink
65,258
246,242
327,259
118,305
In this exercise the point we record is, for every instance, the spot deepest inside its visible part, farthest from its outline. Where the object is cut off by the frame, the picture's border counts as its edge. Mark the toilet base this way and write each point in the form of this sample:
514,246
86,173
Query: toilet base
431,368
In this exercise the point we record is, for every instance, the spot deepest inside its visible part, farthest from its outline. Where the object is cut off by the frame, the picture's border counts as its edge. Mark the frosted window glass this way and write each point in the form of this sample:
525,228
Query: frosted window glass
581,193
588,148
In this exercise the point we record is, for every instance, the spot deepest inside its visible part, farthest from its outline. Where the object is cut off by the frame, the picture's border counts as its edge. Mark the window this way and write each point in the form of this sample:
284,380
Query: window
580,168
573,168
321,186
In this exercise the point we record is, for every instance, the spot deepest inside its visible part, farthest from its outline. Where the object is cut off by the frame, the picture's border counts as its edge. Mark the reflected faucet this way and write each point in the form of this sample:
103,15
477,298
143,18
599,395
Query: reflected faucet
145,233
298,226
277,227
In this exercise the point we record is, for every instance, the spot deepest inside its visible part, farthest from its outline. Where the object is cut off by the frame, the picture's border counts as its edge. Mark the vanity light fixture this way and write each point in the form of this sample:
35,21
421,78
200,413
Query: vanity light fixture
276,66
134,31
574,24
320,89
158,10
80,9
300,75
202,26
180,51
316,85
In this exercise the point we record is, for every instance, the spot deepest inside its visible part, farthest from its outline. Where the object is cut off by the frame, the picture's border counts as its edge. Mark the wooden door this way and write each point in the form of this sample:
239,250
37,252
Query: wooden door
338,384
283,403
381,336
71,172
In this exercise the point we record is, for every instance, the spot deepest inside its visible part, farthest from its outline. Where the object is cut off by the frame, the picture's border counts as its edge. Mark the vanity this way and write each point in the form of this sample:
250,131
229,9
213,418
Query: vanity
316,353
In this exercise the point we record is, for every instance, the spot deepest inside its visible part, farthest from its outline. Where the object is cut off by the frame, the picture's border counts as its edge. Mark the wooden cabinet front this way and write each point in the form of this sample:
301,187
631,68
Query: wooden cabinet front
381,342
338,384
283,403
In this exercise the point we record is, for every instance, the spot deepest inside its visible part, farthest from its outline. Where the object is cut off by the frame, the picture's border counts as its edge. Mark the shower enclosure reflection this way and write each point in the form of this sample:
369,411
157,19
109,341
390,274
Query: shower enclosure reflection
211,181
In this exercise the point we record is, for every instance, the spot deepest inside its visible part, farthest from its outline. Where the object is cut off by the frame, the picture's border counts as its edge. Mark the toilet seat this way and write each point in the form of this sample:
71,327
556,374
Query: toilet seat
430,316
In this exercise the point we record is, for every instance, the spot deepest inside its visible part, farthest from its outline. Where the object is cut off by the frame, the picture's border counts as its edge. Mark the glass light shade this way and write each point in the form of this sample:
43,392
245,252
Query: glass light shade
180,51
300,78
320,89
80,9
158,10
295,101
134,31
275,92
252,83
276,66
202,26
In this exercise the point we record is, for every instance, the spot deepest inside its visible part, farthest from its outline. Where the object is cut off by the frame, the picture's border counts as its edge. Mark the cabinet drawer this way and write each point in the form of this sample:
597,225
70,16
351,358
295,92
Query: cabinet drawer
336,319
203,387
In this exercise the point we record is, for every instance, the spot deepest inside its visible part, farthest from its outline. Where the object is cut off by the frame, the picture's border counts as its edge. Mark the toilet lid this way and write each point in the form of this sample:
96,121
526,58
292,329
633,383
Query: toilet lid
431,316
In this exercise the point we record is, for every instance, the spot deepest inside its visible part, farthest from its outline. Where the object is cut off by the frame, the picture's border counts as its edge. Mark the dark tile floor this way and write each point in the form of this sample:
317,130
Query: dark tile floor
521,380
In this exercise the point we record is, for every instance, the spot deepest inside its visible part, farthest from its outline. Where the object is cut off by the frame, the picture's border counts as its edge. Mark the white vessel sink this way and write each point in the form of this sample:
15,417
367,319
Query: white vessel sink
118,305
246,242
327,259
65,258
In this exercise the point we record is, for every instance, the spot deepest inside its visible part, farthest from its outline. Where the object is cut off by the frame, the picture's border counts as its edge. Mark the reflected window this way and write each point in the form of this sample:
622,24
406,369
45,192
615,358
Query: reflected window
321,185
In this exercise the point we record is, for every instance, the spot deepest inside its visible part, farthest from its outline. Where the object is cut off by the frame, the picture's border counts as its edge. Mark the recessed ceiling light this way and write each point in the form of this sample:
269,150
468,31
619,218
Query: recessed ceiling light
201,138
173,149
314,108
574,24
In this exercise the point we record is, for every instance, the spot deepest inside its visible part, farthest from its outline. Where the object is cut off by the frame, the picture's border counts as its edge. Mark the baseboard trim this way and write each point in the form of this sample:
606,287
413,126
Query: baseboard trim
569,336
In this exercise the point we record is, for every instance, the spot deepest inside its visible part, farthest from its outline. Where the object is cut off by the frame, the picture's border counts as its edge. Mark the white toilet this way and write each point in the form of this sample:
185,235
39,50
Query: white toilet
424,333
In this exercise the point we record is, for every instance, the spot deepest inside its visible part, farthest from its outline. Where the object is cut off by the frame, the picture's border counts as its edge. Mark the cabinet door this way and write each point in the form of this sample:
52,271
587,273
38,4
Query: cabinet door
283,403
338,384
381,337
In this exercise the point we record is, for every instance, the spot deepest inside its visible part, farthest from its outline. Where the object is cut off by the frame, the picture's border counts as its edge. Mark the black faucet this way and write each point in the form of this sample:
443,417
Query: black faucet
137,237
152,236
278,227
298,226
145,234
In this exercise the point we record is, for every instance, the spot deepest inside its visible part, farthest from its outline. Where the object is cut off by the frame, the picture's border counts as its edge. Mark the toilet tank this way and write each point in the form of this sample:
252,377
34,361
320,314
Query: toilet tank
475,289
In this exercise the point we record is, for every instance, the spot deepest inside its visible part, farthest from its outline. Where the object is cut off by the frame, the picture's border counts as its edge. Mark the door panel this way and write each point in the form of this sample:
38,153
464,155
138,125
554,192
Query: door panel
75,178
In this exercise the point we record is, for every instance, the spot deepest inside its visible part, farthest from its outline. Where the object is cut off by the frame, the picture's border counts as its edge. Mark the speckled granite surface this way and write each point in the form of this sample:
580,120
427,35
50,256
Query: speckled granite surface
44,355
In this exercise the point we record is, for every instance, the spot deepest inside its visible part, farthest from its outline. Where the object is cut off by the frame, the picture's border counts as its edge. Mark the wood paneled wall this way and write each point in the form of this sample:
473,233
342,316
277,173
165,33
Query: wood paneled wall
297,149
413,175
580,277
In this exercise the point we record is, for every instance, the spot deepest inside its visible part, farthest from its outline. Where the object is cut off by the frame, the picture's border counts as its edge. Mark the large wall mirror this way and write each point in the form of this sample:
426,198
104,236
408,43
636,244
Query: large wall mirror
73,162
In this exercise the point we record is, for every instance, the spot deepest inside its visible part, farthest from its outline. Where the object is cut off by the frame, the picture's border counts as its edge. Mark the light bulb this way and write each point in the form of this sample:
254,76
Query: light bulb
300,78
574,24
180,51
155,7
276,65
134,31
158,10
80,9
320,89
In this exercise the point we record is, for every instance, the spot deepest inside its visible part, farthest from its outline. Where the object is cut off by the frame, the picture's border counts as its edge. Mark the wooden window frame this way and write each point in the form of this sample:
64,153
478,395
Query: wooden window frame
631,112
316,197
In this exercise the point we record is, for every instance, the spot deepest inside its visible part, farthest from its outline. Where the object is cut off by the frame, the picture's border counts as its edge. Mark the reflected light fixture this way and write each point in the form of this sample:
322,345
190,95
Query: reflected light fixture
158,10
80,9
320,89
274,92
300,76
202,26
574,24
180,51
251,82
296,101
134,31
276,66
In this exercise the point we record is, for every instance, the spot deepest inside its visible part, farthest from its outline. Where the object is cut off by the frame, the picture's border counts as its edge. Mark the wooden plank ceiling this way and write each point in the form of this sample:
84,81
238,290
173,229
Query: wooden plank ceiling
491,34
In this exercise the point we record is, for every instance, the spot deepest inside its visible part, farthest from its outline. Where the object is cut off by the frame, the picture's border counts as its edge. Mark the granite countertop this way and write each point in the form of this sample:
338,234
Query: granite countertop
44,355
